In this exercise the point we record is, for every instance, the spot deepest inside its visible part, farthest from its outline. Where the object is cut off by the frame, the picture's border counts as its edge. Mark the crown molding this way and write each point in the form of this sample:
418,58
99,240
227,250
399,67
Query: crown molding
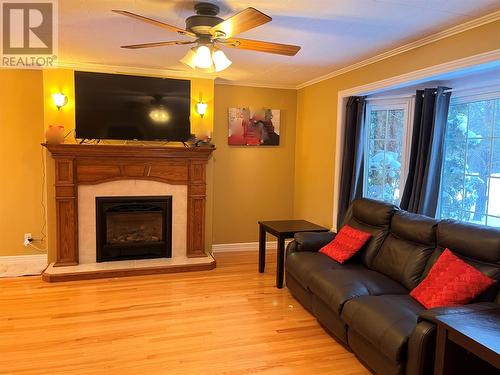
424,74
224,82
491,17
123,69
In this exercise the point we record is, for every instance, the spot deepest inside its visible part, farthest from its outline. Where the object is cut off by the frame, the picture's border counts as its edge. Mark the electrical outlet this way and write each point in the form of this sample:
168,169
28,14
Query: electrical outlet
27,239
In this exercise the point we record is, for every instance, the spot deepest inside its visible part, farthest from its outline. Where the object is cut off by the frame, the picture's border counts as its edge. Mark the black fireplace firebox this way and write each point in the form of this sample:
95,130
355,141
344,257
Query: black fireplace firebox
133,228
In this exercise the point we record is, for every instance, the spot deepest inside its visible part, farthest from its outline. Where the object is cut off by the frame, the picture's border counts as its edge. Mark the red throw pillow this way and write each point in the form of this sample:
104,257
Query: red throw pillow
450,282
345,244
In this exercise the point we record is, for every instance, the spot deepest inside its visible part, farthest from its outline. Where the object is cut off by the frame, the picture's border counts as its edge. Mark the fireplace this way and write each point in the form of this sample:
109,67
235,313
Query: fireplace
133,228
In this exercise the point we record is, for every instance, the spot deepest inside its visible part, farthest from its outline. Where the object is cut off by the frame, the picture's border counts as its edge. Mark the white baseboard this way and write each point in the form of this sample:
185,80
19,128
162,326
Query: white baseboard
22,265
244,246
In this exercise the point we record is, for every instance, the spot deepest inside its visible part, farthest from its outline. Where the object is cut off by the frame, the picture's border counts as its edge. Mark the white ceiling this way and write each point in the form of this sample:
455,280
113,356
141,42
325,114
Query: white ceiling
333,33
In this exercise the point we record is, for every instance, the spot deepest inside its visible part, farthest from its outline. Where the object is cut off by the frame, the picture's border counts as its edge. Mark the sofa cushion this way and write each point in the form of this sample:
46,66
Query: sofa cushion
373,217
450,282
478,242
385,321
407,248
346,243
336,286
303,265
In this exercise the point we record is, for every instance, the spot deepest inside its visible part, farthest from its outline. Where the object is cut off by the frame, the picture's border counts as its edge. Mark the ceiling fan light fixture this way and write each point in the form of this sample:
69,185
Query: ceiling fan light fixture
189,58
220,60
208,30
203,58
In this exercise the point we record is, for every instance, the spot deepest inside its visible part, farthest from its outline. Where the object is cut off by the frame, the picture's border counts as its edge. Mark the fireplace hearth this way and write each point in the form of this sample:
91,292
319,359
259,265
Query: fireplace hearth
130,228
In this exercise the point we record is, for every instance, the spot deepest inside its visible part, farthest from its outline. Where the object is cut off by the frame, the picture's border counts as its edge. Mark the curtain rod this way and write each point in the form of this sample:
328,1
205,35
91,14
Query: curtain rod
492,88
390,97
406,96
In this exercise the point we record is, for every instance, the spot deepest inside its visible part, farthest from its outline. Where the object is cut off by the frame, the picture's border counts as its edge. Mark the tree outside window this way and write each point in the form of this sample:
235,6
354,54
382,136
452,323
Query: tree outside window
470,185
386,144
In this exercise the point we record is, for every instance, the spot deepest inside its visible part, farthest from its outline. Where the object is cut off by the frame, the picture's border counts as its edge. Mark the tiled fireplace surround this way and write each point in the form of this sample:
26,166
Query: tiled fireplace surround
84,172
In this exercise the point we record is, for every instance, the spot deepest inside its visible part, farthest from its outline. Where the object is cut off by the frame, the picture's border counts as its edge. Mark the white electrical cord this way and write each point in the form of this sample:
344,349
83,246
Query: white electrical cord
30,244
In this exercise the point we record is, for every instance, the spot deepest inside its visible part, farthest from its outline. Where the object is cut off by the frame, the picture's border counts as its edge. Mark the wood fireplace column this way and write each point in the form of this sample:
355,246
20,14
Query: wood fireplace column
66,212
196,209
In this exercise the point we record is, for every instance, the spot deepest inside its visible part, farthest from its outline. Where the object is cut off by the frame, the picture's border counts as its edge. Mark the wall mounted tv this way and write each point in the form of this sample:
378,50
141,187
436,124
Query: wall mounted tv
114,106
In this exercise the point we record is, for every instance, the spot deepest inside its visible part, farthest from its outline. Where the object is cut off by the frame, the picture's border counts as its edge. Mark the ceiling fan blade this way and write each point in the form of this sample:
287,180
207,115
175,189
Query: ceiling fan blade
257,45
158,44
242,21
155,22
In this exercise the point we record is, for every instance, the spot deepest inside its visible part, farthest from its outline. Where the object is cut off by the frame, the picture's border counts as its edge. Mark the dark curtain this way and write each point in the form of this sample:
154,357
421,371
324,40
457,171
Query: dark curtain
421,190
351,177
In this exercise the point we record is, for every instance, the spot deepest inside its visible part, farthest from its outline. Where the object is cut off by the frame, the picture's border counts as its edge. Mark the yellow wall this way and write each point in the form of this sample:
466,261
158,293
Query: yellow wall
252,183
317,114
21,132
244,184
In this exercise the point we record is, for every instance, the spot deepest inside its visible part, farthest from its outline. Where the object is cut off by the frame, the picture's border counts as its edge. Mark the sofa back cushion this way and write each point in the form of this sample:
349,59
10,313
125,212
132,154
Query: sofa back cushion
406,250
370,216
477,245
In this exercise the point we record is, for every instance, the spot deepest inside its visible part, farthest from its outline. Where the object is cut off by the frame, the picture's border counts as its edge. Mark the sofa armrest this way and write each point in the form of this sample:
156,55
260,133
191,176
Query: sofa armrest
421,349
310,241
422,341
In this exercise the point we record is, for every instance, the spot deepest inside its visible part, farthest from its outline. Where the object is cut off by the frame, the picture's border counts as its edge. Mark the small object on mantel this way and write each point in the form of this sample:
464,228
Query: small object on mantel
55,134
205,141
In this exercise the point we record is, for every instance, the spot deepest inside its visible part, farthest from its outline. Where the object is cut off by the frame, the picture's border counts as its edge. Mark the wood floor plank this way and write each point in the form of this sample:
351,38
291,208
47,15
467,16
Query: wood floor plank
231,320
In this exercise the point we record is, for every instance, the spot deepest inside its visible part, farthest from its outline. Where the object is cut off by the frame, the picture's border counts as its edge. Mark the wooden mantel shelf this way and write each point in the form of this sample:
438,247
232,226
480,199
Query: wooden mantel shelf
93,164
129,151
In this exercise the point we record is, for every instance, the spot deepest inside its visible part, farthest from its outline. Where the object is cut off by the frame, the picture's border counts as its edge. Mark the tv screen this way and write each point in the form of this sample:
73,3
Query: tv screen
114,106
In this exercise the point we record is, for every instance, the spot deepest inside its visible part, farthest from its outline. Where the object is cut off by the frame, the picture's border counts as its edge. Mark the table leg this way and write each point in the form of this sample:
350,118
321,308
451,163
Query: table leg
280,262
262,248
440,351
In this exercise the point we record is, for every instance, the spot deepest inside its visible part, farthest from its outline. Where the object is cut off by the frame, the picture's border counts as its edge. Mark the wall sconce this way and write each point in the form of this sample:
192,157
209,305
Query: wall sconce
201,108
60,100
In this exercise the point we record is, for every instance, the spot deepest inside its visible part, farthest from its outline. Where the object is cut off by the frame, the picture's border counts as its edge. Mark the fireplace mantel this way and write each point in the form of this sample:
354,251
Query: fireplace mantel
92,164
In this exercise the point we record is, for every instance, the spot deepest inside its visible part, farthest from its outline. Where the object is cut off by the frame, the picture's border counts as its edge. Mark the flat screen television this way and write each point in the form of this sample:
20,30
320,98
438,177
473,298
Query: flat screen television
123,107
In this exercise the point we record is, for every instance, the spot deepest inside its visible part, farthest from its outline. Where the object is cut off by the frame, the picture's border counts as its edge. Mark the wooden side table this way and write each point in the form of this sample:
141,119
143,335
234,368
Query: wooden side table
282,229
468,343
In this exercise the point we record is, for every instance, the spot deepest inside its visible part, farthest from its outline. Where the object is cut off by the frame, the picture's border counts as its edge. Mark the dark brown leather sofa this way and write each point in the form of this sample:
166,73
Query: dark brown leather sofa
365,302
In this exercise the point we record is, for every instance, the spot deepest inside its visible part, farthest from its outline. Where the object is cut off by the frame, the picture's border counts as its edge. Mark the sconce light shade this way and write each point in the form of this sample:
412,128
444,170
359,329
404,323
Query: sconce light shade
201,108
59,99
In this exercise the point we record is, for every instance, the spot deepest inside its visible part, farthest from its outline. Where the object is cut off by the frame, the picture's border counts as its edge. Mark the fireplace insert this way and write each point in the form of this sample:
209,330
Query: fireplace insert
133,228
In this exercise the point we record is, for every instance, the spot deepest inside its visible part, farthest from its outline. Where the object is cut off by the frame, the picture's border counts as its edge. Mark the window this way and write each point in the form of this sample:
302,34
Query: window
386,149
470,182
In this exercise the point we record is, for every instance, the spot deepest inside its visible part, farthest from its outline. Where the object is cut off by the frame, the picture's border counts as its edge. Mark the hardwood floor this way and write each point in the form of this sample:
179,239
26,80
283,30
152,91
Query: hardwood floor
231,320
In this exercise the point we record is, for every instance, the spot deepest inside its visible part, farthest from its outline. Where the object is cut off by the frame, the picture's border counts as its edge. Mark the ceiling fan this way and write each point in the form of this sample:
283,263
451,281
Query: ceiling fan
210,32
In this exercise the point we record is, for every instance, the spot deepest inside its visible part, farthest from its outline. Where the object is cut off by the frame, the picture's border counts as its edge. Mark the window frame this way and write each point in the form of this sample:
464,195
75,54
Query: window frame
467,97
397,103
